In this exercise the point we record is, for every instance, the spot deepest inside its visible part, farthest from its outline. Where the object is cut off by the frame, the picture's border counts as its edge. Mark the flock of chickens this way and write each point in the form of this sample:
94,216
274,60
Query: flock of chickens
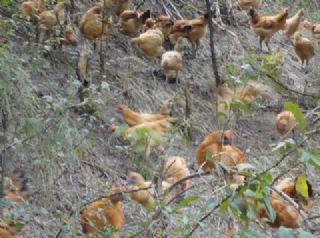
99,21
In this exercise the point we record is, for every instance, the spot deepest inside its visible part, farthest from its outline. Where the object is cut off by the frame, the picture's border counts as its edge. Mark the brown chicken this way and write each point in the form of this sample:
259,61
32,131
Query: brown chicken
303,48
150,42
175,168
49,19
216,147
6,232
245,93
119,6
83,65
244,4
132,21
15,190
242,93
159,126
143,197
171,61
99,214
149,24
314,29
292,24
288,186
69,37
193,30
266,26
286,215
165,24
166,107
33,8
133,118
285,122
91,24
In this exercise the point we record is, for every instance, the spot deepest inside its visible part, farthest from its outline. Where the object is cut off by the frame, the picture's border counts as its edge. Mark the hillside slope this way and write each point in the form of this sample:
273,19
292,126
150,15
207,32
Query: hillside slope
134,80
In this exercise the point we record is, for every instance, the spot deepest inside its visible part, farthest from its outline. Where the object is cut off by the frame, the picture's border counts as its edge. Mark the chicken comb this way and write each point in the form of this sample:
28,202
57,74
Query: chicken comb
229,134
118,106
112,128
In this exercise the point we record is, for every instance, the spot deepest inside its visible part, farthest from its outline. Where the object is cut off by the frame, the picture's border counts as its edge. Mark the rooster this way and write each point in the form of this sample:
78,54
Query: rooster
266,26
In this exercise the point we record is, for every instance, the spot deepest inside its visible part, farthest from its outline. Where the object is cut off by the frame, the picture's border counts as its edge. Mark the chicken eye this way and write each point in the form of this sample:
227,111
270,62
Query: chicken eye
225,140
97,11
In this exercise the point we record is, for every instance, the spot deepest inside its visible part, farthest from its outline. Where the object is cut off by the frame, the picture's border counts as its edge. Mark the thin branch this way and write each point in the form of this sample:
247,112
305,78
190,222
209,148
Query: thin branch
140,4
197,175
213,53
316,96
102,52
210,213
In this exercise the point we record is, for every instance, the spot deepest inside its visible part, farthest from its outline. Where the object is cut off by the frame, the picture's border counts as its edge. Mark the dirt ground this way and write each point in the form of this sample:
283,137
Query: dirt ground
129,80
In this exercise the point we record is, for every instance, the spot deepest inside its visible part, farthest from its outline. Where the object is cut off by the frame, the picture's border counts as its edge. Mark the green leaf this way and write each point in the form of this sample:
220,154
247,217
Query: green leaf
312,158
232,69
294,108
121,129
245,166
285,233
224,207
270,211
254,234
301,186
304,234
283,144
91,142
210,203
185,202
